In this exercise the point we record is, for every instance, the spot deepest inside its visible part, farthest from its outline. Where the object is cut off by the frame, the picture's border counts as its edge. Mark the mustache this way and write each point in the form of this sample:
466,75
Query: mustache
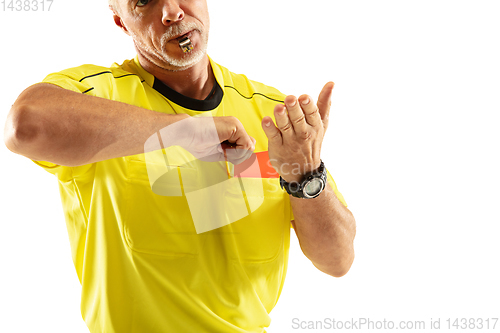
179,29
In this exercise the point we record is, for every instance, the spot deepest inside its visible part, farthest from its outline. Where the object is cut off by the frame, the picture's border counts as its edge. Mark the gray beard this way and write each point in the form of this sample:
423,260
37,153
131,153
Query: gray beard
165,61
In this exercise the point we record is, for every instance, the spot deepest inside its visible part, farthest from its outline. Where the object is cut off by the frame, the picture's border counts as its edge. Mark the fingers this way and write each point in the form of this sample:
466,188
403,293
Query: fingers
325,102
283,122
296,116
272,132
231,131
239,146
243,141
237,156
310,110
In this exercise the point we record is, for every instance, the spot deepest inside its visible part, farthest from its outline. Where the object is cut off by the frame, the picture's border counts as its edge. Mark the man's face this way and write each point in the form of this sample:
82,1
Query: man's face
157,25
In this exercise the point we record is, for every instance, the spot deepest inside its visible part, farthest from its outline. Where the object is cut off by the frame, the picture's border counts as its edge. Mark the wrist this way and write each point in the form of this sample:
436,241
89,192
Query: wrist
298,174
174,129
293,179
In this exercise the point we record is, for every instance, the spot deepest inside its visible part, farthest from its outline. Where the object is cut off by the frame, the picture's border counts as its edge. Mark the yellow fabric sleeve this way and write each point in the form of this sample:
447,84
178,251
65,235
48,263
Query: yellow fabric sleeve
67,82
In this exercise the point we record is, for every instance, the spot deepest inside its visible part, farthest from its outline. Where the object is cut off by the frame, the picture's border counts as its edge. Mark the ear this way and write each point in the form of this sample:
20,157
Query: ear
118,21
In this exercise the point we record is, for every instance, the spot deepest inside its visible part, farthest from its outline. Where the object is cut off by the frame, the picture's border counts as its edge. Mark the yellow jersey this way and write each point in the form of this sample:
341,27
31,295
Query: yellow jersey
144,262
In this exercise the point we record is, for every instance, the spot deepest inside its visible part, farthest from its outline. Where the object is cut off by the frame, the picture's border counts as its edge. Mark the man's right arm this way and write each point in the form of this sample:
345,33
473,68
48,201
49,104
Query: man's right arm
52,124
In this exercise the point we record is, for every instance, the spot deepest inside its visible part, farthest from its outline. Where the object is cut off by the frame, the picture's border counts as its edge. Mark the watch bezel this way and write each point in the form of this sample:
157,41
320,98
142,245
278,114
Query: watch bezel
297,189
309,180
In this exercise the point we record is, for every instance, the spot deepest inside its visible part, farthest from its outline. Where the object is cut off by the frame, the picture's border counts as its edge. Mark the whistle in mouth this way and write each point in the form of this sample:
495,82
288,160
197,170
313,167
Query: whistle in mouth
185,45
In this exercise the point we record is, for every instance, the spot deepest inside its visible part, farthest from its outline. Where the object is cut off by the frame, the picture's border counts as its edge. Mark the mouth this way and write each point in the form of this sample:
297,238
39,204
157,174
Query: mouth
178,38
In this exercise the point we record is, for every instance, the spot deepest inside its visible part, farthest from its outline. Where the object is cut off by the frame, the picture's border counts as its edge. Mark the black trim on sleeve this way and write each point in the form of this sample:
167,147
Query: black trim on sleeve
272,99
106,72
97,74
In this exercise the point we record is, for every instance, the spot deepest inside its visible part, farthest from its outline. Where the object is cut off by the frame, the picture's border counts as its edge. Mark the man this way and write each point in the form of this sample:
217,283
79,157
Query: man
211,257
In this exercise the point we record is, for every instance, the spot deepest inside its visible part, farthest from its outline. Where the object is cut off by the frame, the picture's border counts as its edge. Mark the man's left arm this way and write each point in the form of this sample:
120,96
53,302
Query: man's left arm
324,226
325,229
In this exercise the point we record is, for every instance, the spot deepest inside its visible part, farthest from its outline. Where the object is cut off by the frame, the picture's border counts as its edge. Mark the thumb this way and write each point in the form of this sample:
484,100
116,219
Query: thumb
325,103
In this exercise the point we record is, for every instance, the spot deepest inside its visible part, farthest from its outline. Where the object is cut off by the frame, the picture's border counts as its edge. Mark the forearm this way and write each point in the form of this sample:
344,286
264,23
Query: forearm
52,124
325,229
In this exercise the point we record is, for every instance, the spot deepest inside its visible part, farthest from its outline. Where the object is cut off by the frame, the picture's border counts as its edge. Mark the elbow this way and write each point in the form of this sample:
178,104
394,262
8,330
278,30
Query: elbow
336,272
21,129
338,268
25,124
33,130
341,271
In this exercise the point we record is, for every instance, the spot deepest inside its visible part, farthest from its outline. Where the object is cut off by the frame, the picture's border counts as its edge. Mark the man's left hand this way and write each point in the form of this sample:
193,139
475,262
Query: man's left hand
295,140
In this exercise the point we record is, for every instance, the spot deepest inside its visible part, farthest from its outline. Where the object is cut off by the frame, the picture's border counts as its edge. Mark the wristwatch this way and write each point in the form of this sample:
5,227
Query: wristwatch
310,187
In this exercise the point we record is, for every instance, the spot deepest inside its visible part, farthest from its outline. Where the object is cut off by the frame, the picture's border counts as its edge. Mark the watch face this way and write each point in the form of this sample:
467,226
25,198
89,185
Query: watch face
313,187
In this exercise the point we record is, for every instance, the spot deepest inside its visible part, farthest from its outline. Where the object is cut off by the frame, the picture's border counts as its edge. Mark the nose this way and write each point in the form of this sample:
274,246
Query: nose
172,12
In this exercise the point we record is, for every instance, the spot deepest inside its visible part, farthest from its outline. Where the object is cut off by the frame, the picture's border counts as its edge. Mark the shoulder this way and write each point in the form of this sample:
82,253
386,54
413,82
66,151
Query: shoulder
95,80
94,72
241,85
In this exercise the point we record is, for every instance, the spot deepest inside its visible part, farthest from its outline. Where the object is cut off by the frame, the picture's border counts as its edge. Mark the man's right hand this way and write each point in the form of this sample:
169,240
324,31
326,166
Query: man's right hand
210,139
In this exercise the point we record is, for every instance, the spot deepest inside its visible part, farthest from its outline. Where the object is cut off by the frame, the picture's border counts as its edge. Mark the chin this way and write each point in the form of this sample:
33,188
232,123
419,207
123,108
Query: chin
186,62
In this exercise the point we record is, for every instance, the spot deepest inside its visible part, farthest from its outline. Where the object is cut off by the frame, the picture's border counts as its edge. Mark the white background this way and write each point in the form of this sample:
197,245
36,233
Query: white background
412,144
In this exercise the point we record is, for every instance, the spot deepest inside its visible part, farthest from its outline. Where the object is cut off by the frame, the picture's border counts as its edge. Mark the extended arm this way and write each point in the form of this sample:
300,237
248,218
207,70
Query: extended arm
325,228
48,123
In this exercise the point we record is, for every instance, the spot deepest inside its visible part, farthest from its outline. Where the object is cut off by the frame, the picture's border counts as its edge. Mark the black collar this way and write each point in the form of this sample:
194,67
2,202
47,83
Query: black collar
211,102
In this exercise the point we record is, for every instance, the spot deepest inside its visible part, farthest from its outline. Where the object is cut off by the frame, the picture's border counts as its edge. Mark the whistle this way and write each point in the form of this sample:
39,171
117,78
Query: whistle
185,45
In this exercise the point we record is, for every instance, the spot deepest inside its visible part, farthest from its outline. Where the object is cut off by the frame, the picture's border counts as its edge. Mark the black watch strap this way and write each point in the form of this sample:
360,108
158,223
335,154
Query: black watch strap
316,178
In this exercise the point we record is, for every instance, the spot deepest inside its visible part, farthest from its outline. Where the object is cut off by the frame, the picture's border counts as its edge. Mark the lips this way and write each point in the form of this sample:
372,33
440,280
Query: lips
179,37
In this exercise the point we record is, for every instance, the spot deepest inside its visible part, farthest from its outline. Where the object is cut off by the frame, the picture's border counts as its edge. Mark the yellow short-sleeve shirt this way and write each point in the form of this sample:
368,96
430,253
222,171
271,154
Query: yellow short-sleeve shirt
211,258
